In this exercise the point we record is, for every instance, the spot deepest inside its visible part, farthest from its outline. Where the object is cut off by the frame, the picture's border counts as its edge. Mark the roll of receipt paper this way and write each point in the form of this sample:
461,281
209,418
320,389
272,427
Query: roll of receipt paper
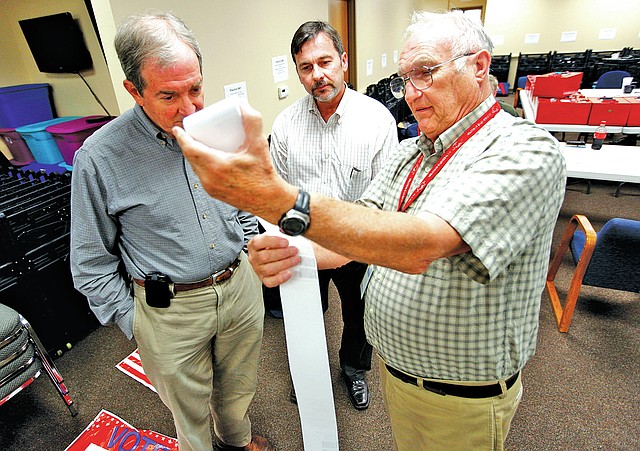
307,348
218,125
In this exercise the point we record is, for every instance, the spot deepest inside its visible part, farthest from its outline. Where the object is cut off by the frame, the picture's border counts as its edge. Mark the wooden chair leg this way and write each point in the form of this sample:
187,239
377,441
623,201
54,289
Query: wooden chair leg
565,315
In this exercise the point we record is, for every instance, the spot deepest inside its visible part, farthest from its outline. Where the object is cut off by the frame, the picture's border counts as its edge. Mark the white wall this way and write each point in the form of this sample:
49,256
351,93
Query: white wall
239,39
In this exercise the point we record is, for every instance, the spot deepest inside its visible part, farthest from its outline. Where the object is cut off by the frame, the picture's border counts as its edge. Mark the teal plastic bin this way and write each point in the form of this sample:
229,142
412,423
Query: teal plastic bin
41,143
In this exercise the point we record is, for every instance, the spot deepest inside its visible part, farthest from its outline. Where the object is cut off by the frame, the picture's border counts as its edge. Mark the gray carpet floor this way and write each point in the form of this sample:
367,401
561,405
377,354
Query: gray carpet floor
581,389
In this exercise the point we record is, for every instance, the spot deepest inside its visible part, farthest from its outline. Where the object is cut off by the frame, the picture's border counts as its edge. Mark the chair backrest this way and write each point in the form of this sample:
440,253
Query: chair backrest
611,79
18,363
616,257
522,82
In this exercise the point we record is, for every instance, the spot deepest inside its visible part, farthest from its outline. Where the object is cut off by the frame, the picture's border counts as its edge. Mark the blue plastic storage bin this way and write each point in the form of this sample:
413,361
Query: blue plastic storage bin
24,104
41,143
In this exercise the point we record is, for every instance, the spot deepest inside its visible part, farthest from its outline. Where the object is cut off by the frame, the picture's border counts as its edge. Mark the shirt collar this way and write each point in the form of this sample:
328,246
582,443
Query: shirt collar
152,129
340,111
449,136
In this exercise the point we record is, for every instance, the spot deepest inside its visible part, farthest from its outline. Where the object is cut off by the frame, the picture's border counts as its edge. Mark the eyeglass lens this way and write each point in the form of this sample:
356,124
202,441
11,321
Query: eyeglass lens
421,78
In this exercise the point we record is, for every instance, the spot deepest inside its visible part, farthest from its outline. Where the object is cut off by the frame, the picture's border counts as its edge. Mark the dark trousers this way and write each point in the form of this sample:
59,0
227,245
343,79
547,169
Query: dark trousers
355,351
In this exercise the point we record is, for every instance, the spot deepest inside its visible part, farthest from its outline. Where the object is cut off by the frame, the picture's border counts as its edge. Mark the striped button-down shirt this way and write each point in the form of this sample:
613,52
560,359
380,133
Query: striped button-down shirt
474,316
337,158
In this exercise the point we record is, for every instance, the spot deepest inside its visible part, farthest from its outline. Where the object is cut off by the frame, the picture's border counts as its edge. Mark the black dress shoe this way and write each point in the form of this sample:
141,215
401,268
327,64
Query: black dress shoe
358,392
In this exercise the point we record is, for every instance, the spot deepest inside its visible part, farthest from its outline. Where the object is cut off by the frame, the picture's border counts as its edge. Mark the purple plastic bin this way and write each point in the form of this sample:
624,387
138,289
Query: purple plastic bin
70,135
17,146
42,145
24,104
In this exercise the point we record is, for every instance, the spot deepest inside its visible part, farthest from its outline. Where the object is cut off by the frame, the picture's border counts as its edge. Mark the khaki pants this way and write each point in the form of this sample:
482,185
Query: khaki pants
424,420
201,354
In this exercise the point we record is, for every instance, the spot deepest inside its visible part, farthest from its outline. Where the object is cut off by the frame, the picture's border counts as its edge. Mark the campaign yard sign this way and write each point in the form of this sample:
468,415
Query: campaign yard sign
111,433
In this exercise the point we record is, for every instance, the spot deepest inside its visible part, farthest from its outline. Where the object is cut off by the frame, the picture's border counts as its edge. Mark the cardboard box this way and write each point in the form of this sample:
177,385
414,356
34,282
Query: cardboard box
612,111
554,84
561,111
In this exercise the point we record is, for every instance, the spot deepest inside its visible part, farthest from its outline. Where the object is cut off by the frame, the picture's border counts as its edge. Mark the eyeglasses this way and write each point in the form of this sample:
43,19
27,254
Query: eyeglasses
421,78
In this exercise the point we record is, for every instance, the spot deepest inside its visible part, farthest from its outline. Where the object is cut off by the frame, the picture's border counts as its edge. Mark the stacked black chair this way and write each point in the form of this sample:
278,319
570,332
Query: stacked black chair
500,66
570,62
35,276
23,358
398,107
598,63
533,64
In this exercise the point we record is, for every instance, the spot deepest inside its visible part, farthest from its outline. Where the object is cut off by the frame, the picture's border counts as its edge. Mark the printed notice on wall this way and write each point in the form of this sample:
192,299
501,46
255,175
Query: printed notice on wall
532,38
280,68
369,67
568,36
236,89
607,33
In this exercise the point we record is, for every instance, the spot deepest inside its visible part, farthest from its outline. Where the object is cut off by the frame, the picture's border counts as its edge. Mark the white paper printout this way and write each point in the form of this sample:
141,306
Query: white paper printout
307,348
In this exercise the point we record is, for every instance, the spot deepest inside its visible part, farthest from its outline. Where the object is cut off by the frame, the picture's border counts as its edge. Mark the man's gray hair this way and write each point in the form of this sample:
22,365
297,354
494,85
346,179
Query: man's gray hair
144,37
457,32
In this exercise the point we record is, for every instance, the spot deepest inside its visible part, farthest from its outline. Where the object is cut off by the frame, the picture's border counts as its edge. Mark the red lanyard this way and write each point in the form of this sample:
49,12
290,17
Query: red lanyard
450,152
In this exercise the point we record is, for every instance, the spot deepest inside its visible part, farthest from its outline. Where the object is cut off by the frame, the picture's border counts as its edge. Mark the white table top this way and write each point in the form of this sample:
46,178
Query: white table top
529,113
614,163
608,93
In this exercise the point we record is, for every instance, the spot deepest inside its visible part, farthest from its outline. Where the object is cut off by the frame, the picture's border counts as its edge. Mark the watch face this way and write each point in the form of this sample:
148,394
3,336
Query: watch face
294,226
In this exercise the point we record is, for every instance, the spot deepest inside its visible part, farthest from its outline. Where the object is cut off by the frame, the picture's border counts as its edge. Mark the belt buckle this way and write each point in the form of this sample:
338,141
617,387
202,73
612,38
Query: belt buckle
220,273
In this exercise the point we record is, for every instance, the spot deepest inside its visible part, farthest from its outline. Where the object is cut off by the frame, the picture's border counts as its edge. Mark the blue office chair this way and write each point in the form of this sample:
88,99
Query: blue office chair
607,259
611,79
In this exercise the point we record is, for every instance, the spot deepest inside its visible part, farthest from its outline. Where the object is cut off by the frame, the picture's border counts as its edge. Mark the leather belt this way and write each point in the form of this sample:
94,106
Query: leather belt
461,391
216,278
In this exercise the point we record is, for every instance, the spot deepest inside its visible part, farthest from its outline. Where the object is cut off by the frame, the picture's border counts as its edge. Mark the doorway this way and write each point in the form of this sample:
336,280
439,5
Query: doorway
474,8
342,18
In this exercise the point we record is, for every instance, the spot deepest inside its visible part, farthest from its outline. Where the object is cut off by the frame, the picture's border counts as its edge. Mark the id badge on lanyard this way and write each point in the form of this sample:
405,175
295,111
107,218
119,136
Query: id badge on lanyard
403,202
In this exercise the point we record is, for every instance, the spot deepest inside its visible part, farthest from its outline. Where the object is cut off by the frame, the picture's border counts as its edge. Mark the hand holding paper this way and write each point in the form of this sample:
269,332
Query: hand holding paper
272,258
237,177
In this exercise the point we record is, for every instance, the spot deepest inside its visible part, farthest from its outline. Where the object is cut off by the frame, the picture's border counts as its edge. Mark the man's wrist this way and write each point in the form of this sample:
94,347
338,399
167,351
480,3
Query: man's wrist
296,220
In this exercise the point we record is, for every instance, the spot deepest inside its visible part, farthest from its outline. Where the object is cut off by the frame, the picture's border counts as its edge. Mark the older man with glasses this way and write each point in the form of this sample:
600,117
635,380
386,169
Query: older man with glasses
456,229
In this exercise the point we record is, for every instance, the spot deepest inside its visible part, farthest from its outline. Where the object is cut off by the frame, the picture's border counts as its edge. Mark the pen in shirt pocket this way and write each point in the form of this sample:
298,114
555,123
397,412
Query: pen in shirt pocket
354,171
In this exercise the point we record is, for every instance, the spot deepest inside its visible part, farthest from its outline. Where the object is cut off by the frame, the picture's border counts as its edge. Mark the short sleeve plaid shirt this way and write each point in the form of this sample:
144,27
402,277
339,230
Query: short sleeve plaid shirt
474,316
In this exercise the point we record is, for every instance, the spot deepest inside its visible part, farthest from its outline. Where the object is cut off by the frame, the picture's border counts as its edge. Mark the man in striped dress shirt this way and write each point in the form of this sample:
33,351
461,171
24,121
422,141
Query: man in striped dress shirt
334,141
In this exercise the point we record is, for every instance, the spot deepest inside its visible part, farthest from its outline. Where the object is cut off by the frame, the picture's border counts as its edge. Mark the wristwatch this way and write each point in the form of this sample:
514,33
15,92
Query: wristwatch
296,221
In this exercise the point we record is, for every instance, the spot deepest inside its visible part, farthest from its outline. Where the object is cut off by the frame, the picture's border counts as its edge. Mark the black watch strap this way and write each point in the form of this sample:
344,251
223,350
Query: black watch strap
296,221
302,202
